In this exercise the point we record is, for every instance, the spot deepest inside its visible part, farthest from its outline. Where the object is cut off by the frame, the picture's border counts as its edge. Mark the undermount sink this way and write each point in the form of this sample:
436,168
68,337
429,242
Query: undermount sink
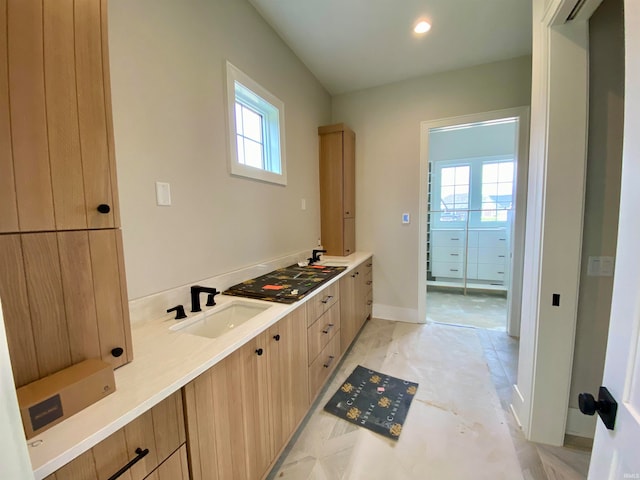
221,320
332,263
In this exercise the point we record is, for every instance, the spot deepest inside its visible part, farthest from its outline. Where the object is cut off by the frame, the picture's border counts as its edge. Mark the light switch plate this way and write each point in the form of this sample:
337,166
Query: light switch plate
163,194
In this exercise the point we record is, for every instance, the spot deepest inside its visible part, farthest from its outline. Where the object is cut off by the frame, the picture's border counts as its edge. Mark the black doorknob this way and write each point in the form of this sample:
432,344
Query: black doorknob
276,337
259,352
104,208
606,406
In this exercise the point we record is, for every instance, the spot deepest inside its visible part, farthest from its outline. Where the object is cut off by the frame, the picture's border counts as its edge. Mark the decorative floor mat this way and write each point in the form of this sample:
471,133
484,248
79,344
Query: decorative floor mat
373,400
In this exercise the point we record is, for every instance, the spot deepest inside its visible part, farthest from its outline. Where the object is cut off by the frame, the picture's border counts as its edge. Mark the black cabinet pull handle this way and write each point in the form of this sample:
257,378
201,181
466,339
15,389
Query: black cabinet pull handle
329,297
140,455
276,337
104,208
370,302
369,264
369,282
353,275
116,352
259,351
328,329
329,361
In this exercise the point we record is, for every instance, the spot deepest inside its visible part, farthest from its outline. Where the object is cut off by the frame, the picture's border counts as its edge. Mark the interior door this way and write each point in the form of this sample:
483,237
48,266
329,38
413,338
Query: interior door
615,452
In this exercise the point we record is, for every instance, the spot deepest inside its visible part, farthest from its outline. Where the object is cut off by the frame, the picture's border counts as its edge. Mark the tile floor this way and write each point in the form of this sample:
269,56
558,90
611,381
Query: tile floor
458,426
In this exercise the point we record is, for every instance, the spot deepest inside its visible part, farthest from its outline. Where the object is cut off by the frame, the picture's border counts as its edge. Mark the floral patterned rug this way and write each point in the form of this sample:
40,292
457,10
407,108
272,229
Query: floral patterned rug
373,400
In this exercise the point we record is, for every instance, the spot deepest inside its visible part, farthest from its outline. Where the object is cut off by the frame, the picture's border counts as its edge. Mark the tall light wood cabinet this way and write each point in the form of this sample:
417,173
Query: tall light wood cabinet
337,189
62,281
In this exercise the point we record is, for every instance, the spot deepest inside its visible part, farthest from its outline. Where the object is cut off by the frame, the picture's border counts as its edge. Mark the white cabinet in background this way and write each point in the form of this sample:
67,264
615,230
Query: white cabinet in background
486,253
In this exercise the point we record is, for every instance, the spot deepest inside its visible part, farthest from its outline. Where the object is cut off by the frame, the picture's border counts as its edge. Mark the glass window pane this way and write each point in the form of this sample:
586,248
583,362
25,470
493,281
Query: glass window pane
253,153
447,196
490,173
489,192
505,188
252,123
462,175
448,176
240,146
506,172
502,215
239,129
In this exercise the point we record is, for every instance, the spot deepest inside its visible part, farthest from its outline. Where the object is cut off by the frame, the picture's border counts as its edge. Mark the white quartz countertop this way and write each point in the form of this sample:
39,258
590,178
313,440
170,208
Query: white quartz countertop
163,362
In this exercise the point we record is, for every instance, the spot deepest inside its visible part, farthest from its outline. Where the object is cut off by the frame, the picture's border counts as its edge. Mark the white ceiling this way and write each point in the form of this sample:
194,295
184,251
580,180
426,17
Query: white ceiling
355,44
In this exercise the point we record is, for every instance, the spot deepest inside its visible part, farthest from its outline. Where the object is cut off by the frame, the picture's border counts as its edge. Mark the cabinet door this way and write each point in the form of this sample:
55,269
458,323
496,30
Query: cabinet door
349,245
58,151
64,301
349,173
331,188
348,319
157,434
293,376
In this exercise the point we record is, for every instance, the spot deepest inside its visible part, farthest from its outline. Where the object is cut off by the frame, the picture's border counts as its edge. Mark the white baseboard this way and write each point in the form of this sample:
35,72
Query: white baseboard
517,404
579,424
399,314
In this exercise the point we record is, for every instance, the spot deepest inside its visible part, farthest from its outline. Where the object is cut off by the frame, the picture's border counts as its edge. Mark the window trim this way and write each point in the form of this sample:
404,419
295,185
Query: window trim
274,148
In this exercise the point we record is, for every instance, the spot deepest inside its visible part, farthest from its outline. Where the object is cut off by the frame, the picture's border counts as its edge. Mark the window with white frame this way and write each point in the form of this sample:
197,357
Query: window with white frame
478,191
256,129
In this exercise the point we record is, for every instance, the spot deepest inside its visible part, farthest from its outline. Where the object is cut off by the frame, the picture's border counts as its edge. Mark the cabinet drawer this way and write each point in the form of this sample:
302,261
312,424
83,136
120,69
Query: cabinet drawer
160,431
447,269
448,238
492,255
322,331
322,302
323,365
492,238
489,271
174,468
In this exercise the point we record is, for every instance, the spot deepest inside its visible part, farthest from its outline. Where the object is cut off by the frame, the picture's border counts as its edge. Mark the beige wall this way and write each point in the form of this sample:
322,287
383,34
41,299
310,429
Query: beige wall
386,121
168,87
604,163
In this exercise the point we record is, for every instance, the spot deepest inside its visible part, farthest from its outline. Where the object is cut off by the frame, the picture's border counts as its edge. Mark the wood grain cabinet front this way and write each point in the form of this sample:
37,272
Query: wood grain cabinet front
337,189
57,163
242,412
152,444
64,299
356,302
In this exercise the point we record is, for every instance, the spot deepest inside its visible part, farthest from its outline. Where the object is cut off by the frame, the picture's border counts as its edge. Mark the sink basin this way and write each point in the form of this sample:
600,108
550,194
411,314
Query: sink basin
221,320
333,263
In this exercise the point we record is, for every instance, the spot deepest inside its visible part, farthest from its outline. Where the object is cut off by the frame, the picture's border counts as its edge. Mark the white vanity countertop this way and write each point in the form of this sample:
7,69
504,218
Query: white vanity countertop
163,362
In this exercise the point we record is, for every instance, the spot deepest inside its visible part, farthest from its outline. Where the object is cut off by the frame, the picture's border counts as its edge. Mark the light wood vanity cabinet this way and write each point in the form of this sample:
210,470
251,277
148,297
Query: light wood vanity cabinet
62,280
241,412
337,189
356,301
160,432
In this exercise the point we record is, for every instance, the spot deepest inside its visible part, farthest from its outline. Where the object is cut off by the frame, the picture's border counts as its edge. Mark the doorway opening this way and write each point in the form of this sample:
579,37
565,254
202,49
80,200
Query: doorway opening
473,195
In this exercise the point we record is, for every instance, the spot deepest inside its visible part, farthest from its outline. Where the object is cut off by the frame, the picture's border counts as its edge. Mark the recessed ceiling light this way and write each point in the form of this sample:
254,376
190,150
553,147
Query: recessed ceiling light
422,27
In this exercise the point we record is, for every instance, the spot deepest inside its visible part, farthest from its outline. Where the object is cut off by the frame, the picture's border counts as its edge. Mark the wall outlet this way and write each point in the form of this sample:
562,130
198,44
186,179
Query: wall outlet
303,204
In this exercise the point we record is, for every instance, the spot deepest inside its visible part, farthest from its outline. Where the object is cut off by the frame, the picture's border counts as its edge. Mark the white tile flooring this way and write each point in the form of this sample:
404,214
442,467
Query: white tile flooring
458,425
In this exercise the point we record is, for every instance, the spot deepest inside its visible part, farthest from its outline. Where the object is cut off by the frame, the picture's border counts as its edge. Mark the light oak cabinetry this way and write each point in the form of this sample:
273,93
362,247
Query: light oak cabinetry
56,141
241,412
62,281
356,301
156,440
337,189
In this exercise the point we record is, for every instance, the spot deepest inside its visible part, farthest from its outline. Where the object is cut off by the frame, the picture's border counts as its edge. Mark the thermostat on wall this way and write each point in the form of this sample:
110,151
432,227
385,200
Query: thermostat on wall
406,218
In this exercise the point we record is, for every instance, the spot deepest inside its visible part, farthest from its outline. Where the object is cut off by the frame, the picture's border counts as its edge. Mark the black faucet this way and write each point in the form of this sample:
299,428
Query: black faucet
196,290
315,257
179,309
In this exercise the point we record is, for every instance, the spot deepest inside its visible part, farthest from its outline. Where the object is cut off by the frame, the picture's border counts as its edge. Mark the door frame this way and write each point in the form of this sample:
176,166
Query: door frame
557,169
514,288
